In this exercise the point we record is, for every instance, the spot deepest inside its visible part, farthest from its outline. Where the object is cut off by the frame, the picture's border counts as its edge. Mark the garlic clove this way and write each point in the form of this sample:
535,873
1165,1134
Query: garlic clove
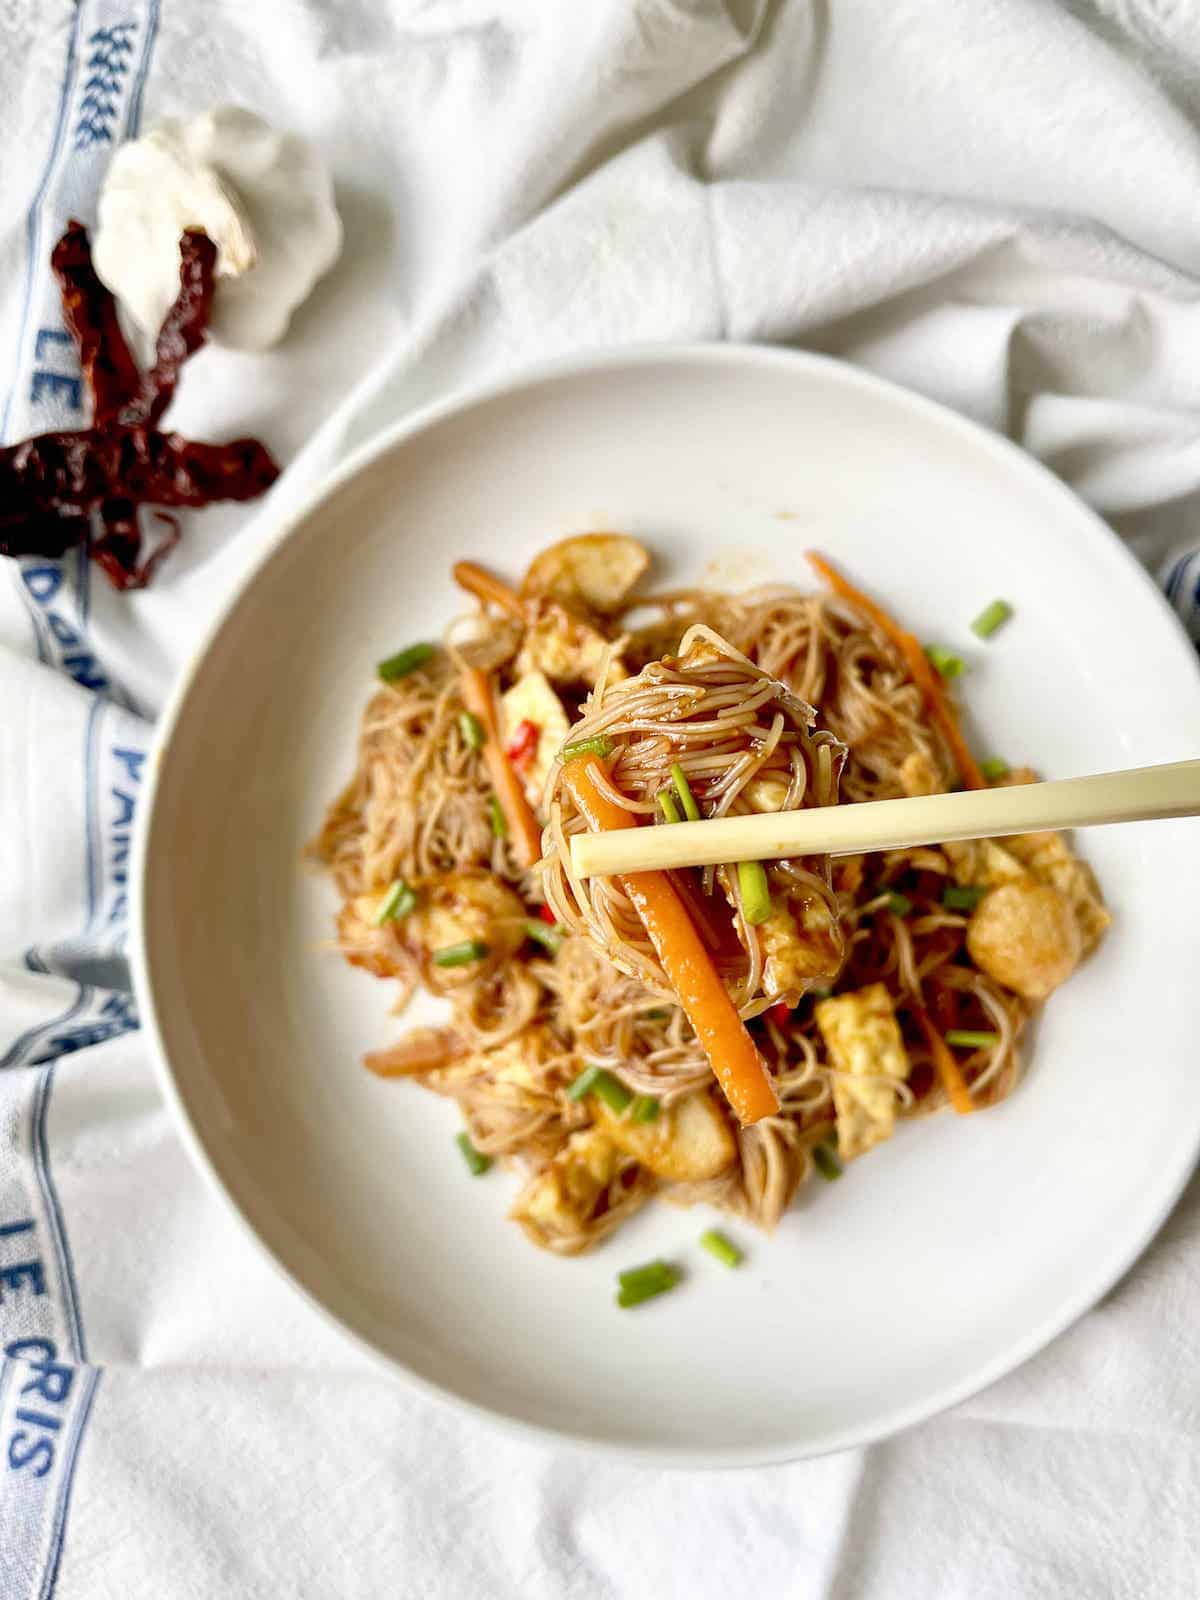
263,197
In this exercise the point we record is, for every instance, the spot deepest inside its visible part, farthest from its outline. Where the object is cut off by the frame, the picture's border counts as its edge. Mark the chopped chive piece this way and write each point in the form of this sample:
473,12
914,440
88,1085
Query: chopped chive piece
826,1163
643,1283
612,1091
648,1272
947,663
973,1038
962,896
670,810
497,818
684,790
899,903
398,902
994,768
460,955
644,1108
991,618
657,1015
599,746
471,729
755,891
724,1249
600,1082
583,1083
404,662
475,1159
550,938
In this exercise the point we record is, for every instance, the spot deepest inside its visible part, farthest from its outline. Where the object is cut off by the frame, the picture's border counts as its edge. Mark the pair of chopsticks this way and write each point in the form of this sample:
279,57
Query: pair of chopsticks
1144,794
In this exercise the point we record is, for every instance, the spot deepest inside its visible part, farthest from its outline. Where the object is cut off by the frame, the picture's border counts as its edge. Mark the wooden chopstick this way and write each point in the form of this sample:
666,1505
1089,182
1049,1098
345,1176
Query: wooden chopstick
1143,794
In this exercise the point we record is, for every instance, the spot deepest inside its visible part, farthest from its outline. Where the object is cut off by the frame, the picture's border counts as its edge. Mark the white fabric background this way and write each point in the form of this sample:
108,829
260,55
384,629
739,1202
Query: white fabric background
997,204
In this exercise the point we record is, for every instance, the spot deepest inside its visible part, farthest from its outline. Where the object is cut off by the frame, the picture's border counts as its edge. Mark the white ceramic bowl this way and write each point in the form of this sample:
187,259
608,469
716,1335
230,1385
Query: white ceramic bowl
939,1262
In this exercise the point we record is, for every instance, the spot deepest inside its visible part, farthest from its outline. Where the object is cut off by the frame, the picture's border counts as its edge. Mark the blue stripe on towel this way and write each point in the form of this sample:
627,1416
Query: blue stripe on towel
66,1484
54,1218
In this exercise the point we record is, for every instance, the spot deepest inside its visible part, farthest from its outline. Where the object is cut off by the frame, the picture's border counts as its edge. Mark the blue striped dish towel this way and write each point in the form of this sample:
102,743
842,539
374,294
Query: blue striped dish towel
1002,216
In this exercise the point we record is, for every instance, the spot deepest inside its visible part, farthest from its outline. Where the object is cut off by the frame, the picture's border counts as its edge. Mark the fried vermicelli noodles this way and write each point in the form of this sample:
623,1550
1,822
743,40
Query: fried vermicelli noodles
743,742
873,988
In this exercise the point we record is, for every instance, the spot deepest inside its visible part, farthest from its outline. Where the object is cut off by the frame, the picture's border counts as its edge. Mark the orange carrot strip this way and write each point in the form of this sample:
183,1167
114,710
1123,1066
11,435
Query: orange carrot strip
739,1068
488,588
948,1071
923,674
522,824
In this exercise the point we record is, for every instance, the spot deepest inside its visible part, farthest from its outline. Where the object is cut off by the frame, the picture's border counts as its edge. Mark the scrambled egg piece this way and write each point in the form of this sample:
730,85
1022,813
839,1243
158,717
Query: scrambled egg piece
1026,936
688,1142
559,1201
519,1062
983,862
801,946
461,906
592,571
863,1039
566,649
531,699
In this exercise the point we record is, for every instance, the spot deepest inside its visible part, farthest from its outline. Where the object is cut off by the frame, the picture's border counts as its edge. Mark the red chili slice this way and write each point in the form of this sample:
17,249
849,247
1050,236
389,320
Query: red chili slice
523,744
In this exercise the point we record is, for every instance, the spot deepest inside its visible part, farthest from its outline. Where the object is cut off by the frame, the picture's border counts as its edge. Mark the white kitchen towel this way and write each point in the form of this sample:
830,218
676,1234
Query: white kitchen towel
997,204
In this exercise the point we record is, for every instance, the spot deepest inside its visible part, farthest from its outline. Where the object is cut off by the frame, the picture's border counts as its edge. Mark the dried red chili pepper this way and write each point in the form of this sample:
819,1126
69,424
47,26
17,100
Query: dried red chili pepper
62,489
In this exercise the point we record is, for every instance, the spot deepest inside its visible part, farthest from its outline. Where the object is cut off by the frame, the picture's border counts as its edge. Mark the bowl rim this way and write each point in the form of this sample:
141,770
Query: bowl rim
1114,1264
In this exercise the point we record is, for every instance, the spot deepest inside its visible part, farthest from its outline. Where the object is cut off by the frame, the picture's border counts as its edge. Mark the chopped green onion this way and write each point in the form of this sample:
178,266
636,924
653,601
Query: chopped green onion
670,810
947,663
599,746
962,896
755,891
600,1082
973,1038
404,662
583,1083
820,991
657,1015
475,1159
497,818
471,729
826,1163
649,1272
991,618
398,902
643,1283
994,768
899,903
724,1249
612,1091
549,937
461,954
684,790
644,1108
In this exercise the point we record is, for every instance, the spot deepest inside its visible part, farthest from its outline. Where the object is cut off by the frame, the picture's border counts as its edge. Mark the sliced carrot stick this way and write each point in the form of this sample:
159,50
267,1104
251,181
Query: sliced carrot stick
522,824
485,586
923,674
739,1068
953,1081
